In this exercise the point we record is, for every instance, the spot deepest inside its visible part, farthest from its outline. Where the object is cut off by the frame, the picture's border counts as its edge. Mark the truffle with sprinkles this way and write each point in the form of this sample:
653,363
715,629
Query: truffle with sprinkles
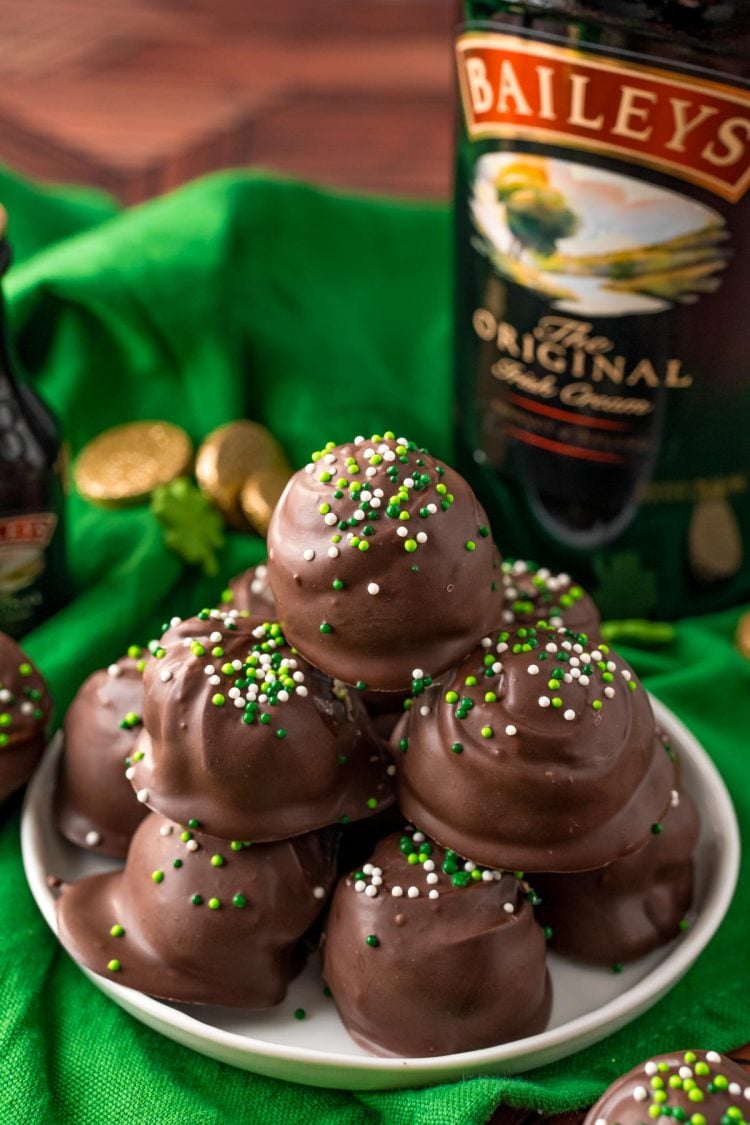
95,806
244,737
692,1087
25,709
623,911
381,561
426,953
539,753
534,594
200,920
250,592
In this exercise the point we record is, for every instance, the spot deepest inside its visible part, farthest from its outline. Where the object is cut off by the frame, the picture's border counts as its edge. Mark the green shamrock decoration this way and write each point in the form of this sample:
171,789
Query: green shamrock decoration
192,527
625,587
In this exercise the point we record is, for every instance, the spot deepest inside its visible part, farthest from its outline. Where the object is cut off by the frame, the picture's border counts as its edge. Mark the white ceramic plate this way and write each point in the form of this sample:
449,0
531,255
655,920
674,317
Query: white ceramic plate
589,1003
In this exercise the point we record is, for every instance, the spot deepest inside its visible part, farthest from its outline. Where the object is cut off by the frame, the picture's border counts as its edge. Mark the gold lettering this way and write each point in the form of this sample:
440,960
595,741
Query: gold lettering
510,88
605,368
484,324
733,144
580,82
683,126
581,394
546,101
529,348
629,111
673,376
479,87
645,371
507,340
551,357
578,367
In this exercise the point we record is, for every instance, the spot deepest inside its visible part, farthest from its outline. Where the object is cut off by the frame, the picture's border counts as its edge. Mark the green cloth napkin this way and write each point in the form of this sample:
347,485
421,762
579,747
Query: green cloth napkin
321,316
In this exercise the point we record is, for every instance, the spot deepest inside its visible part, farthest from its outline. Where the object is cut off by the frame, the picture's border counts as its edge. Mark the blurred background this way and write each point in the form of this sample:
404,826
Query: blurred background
138,96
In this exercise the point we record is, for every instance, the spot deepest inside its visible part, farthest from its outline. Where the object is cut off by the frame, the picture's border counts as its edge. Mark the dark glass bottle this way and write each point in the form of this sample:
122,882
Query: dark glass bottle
603,284
32,555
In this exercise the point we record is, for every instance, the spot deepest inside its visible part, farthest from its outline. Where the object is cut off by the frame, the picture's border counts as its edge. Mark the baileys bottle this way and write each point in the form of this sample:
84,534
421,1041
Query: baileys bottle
32,562
603,291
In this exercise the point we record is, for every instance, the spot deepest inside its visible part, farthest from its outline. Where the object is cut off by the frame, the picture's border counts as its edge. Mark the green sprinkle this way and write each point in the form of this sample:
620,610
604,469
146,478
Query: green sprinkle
597,705
218,700
214,903
193,823
177,863
337,584
372,940
26,669
114,965
484,531
197,900
157,876
657,829
410,545
300,1013
451,697
217,861
326,628
470,545
117,930
372,802
239,901
487,732
403,745
457,747
617,968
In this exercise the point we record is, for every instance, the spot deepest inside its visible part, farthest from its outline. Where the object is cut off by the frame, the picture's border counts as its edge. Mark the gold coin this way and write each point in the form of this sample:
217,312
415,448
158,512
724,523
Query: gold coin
259,496
231,454
742,635
714,541
126,463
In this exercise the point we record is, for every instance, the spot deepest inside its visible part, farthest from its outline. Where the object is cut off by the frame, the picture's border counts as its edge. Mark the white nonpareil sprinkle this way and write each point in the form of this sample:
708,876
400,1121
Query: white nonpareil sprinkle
596,655
470,865
511,730
27,707
215,680
165,675
319,892
584,681
371,891
330,518
674,799
432,877
239,702
413,892
166,830
368,869
508,907
214,637
130,773
625,674
301,690
735,1089
142,796
209,670
308,555
428,865
192,845
402,531
569,714
609,692
360,885
746,1093
424,709
421,537
497,667
544,701
433,894
551,647
391,771
651,1069
640,1093
333,552
601,1121
377,880
114,670
373,588
487,876
397,892
93,838
486,642
685,1072
713,1057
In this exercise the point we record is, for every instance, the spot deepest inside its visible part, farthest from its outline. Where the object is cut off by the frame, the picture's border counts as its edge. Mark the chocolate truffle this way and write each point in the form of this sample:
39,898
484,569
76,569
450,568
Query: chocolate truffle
251,593
381,562
539,754
95,806
246,739
25,709
695,1087
200,920
532,594
634,905
427,954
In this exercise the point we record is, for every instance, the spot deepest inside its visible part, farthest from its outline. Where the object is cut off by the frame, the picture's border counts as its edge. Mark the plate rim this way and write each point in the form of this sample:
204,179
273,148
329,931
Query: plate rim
318,1067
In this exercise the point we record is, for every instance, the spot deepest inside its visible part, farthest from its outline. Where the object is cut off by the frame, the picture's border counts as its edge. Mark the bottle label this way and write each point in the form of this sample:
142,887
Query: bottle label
23,543
603,220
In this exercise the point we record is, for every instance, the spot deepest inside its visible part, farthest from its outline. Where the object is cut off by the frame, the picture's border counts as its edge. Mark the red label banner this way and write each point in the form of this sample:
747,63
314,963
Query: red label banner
26,531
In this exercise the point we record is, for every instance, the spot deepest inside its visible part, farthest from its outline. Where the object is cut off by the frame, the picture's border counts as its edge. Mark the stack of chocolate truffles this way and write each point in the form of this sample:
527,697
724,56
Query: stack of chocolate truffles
385,648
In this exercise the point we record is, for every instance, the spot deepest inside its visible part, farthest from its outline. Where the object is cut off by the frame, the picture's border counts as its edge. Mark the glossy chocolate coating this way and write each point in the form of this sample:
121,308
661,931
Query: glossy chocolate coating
532,594
535,784
457,971
716,1083
95,806
203,923
634,905
25,709
251,593
421,592
294,758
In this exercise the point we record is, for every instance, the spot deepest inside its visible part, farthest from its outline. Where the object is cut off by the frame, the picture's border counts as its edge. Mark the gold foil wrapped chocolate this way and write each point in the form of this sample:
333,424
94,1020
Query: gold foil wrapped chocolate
228,457
259,496
742,635
124,464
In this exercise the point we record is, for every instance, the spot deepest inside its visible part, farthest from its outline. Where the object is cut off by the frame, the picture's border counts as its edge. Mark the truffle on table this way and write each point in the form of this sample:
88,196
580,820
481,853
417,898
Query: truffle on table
534,593
428,954
381,562
25,710
694,1087
95,806
244,737
540,753
200,920
634,905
